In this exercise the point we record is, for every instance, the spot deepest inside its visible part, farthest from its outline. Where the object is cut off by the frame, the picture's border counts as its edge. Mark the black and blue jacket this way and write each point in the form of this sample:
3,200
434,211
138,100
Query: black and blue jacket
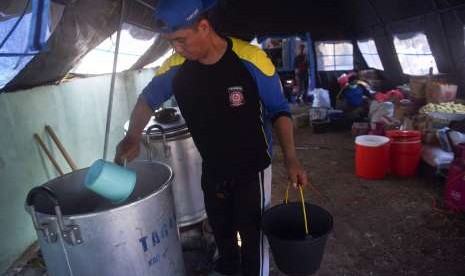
228,106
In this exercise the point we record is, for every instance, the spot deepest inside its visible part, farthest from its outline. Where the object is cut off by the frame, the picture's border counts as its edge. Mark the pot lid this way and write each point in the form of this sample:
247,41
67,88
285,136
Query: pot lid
176,126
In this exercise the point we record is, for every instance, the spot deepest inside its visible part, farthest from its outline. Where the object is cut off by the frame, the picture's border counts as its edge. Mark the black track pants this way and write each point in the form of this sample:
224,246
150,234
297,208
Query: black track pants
236,205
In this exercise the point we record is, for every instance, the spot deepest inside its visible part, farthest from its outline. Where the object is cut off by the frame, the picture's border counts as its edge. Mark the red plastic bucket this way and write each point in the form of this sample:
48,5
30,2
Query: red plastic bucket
405,152
404,135
371,156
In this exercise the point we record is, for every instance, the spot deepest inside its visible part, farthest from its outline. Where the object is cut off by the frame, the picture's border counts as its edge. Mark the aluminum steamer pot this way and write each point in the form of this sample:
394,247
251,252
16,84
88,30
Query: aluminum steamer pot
82,234
172,143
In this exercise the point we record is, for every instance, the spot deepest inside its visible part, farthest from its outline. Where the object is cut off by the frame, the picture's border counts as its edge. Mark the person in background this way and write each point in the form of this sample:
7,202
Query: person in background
301,73
230,96
355,98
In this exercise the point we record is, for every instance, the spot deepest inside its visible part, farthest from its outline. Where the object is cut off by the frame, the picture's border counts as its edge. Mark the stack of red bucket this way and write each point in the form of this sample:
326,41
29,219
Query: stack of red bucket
399,153
405,152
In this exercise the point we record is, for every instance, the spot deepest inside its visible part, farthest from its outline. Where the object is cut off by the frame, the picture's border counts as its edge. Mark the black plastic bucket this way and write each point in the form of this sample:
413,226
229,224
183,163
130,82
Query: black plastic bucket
294,252
319,126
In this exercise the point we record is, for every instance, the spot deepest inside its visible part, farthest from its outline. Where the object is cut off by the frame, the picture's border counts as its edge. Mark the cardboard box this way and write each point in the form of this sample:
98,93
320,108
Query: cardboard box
440,92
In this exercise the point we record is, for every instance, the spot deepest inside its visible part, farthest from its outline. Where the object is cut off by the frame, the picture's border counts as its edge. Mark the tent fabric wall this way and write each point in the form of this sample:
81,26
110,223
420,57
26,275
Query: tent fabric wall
441,21
86,23
392,73
454,25
78,32
322,18
18,40
158,49
76,111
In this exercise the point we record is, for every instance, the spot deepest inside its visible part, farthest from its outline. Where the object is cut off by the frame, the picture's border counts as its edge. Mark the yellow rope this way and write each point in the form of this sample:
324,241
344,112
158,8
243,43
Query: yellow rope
303,209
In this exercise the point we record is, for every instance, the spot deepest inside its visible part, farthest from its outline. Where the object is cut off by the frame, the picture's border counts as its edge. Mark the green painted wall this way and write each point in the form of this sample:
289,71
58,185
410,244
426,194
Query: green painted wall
77,112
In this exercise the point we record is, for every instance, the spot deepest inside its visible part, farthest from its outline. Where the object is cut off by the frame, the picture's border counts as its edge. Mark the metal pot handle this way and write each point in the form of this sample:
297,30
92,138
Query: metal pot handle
31,196
70,233
166,147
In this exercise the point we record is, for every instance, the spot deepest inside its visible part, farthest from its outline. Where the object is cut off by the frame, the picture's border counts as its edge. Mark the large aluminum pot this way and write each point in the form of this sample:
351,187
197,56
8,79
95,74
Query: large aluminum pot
83,234
171,142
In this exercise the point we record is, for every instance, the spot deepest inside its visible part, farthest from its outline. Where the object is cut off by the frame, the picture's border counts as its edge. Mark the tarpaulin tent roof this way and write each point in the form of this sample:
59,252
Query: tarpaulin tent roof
86,23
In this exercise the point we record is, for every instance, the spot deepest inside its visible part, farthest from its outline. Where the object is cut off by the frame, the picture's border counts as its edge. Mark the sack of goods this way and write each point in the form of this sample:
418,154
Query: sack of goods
451,108
446,111
437,92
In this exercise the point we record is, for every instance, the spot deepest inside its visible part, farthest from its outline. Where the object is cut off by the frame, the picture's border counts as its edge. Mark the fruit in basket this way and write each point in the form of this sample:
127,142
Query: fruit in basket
452,108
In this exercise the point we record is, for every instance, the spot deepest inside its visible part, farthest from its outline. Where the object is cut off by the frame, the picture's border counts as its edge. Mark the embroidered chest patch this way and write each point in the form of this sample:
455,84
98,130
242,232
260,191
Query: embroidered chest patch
236,96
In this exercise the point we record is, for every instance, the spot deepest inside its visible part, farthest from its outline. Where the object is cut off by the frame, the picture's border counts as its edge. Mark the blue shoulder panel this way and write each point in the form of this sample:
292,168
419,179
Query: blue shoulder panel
263,71
159,89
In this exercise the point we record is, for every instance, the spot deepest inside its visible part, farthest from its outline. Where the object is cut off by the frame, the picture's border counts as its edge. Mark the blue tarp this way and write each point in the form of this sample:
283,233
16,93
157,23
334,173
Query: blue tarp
21,38
17,42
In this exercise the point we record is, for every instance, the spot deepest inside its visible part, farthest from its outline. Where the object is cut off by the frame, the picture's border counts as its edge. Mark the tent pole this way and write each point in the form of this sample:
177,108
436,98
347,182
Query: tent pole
311,55
112,84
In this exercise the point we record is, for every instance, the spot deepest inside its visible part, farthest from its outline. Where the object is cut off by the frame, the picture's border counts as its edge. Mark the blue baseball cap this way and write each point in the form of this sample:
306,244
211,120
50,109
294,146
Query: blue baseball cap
171,15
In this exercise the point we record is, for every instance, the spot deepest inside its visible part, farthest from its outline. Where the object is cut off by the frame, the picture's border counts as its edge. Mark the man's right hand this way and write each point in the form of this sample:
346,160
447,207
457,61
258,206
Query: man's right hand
128,149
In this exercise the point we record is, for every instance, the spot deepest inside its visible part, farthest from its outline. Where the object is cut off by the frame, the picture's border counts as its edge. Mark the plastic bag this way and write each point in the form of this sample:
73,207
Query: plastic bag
320,98
457,137
381,112
435,156
442,135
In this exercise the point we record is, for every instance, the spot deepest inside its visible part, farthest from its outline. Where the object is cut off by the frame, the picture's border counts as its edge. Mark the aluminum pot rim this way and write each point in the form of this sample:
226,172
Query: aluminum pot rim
161,189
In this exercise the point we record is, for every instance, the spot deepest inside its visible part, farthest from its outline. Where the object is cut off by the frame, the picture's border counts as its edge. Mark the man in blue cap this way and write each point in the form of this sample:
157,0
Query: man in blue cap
230,95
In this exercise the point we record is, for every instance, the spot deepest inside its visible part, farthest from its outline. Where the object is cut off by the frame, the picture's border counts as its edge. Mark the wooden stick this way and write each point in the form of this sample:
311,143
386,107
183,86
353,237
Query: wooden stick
61,147
54,162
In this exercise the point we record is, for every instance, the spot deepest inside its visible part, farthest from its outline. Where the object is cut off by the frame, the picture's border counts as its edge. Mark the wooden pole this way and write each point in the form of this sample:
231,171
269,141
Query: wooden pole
61,147
54,162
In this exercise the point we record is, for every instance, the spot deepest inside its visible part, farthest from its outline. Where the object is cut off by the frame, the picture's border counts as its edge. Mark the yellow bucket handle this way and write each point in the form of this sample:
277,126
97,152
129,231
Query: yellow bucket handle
304,210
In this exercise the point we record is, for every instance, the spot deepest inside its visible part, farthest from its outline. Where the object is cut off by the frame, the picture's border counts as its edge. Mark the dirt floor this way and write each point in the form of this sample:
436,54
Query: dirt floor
383,227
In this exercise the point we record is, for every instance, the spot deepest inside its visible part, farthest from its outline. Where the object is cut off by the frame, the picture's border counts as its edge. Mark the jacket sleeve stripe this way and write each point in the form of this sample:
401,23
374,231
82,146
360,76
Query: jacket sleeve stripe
254,55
